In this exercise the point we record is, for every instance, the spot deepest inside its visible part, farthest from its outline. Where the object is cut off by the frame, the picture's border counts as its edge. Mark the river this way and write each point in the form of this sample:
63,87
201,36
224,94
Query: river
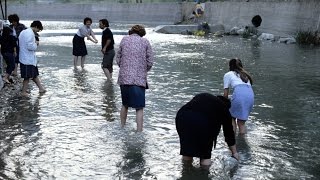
73,130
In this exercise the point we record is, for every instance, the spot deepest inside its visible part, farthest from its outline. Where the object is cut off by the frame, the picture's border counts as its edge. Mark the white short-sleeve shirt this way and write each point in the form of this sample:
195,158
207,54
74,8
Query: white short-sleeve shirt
231,79
84,31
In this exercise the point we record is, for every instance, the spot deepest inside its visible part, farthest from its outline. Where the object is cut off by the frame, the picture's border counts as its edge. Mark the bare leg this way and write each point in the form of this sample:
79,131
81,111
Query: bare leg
123,115
234,125
38,83
83,58
75,61
205,162
25,84
242,126
107,73
139,119
15,71
187,159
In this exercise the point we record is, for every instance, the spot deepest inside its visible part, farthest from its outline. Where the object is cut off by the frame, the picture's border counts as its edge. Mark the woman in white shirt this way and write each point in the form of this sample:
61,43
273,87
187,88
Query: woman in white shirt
242,97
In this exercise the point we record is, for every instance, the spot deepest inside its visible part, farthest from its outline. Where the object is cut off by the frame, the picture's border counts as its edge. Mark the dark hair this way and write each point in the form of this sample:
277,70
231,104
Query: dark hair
236,65
87,19
104,22
13,18
256,20
6,32
138,29
37,24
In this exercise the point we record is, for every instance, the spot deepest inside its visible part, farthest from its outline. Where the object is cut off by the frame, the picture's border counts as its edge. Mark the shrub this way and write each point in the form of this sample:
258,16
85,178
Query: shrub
308,37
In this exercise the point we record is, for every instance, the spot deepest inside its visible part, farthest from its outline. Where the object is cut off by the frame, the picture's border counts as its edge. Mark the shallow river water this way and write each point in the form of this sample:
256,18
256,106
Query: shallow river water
73,130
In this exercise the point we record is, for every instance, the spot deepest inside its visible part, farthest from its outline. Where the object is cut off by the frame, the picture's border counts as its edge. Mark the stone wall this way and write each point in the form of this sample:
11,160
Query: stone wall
278,16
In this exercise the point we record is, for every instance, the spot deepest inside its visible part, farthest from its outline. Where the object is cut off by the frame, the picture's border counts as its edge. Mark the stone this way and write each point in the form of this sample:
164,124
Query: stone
266,36
234,30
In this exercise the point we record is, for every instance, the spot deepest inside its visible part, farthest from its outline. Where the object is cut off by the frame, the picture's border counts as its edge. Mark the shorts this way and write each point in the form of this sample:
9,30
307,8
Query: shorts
29,71
107,61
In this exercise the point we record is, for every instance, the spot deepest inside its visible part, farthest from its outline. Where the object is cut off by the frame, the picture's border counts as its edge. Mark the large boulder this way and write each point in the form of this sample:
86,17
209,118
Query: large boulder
176,29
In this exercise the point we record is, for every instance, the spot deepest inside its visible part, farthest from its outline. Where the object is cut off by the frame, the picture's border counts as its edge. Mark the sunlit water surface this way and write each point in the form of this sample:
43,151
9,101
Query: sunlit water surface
73,130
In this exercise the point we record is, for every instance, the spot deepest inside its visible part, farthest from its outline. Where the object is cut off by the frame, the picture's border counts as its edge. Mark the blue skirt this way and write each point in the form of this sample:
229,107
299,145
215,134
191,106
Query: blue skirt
242,101
133,96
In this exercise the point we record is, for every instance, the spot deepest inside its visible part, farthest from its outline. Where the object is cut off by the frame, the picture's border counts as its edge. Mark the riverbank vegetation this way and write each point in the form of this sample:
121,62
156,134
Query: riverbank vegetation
308,37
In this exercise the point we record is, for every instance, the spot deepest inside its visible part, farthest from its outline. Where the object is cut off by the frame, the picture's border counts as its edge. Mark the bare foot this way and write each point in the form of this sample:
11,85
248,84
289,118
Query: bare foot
25,94
42,91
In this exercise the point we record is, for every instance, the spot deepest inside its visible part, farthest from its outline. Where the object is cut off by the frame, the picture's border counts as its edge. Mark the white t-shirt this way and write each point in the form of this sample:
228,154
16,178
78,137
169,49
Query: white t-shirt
84,31
231,79
27,47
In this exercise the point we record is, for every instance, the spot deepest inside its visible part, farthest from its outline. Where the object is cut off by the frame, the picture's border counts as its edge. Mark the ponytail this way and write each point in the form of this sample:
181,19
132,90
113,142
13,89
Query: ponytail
236,65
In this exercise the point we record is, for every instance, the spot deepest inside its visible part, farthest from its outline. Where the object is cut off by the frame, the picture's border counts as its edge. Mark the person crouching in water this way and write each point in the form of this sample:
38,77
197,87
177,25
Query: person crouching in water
198,124
28,61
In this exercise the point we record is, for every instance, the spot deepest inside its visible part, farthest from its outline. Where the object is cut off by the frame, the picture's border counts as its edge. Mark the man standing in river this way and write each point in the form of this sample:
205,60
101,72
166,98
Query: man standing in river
107,50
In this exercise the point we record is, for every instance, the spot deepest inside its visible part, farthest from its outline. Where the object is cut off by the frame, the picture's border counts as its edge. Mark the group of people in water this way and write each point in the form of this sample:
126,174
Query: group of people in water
198,122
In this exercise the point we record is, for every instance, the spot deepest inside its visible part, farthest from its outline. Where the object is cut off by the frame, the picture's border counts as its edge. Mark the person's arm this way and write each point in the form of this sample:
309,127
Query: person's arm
228,132
226,92
149,56
104,49
119,53
93,37
30,41
14,51
226,84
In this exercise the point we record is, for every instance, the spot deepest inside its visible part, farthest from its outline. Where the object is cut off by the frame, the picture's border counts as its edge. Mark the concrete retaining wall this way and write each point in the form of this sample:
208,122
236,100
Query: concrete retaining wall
279,16
157,13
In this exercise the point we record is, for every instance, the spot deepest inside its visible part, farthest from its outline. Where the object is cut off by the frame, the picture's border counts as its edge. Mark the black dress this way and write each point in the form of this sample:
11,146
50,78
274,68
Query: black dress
199,122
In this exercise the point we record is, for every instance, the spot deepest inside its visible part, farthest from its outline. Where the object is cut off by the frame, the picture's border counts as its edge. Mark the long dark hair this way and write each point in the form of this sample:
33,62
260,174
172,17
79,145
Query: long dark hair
236,65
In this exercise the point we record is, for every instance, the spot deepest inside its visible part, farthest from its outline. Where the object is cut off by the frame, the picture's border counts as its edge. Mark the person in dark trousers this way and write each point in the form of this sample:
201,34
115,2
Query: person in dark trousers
198,124
16,27
107,50
8,51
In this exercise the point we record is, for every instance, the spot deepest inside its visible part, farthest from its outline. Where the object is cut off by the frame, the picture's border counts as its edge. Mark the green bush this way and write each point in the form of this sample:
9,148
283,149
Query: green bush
308,37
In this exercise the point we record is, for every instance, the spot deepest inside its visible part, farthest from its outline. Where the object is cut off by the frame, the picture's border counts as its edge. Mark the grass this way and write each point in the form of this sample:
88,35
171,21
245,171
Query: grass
308,37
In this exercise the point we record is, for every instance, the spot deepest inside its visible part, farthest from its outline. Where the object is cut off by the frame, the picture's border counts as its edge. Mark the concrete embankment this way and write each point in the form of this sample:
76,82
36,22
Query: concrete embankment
278,16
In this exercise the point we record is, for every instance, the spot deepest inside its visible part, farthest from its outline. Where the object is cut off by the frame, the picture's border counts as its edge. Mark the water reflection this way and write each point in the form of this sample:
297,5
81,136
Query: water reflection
21,126
243,149
133,162
189,172
109,102
70,143
81,80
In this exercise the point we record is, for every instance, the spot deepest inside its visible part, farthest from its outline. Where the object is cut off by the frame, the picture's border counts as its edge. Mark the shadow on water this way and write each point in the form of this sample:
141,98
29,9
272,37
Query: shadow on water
20,126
